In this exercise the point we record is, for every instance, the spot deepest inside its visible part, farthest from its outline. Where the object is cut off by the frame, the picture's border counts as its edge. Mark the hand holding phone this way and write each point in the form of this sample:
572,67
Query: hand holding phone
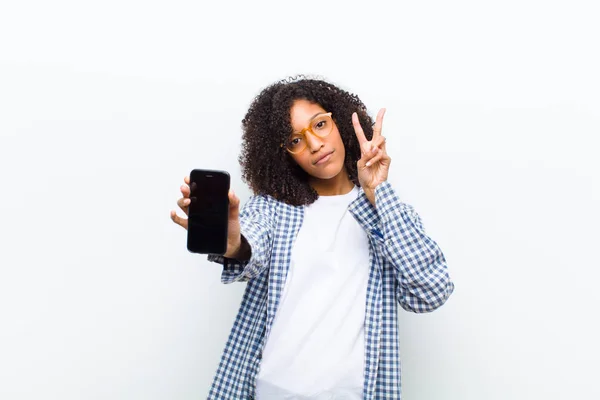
234,247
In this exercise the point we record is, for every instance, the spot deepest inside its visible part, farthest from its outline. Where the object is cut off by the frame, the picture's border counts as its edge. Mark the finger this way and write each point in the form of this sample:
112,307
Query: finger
375,159
186,179
360,134
234,205
374,144
378,124
371,154
184,204
178,220
366,149
185,190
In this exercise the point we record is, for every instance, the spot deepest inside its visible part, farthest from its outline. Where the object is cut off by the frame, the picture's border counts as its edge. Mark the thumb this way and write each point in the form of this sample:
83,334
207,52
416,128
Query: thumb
234,205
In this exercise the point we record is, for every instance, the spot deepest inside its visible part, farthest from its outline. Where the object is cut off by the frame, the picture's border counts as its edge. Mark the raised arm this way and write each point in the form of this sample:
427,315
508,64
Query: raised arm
424,283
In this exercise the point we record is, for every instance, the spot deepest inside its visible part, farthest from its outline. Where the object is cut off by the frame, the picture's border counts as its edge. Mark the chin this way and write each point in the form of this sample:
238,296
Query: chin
328,172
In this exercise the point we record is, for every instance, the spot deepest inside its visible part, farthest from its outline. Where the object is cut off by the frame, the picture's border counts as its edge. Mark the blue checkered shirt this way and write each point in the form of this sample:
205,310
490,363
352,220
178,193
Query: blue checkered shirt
406,267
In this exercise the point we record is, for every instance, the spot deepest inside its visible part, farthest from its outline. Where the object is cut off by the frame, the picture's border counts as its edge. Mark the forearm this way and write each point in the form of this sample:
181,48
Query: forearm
370,194
243,251
253,254
423,280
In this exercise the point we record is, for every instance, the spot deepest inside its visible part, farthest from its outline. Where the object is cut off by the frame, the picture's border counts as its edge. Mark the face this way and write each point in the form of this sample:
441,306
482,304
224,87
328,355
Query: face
323,157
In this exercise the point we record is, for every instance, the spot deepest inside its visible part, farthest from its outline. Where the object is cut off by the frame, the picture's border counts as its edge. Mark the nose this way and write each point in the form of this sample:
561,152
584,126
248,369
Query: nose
313,142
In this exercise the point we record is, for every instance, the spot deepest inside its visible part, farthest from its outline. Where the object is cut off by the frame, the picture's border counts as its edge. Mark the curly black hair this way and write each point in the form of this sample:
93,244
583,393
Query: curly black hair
266,166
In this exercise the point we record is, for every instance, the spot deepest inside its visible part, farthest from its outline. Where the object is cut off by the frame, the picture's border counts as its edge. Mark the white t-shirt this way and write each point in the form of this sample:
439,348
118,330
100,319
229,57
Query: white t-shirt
315,349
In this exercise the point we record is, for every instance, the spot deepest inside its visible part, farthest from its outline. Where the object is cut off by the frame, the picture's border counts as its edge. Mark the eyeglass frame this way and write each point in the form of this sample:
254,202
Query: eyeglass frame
309,128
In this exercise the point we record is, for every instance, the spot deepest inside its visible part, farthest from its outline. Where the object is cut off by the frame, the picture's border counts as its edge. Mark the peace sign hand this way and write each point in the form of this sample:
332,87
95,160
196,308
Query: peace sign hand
374,163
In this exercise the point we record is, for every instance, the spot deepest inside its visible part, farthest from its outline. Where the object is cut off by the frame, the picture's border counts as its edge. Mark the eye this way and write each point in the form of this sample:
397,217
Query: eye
321,124
294,141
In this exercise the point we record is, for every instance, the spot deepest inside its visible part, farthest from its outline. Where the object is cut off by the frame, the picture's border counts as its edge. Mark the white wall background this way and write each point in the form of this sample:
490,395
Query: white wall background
493,122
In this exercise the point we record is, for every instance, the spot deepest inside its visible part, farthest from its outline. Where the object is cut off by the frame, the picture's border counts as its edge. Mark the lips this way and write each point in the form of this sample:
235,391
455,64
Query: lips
324,156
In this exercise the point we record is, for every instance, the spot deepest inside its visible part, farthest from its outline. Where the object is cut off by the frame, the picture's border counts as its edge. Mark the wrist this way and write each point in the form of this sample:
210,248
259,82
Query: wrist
370,194
241,250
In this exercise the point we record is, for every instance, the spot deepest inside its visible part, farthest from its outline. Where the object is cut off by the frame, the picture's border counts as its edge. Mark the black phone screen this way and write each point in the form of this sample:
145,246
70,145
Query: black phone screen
208,212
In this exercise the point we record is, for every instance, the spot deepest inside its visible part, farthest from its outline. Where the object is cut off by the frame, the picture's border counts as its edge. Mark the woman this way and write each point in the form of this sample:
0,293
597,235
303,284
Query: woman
328,251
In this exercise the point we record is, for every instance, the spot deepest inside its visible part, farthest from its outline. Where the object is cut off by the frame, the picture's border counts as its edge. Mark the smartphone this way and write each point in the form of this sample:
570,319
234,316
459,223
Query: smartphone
208,212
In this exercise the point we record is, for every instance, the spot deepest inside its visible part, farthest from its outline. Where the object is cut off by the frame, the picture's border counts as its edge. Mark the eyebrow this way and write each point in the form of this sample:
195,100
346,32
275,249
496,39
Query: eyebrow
311,118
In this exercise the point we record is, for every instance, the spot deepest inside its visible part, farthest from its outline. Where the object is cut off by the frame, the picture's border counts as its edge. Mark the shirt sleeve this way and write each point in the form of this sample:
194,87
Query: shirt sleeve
424,283
256,226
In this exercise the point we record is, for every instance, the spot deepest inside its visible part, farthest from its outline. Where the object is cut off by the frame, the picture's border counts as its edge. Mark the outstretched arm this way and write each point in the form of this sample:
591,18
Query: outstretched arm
256,227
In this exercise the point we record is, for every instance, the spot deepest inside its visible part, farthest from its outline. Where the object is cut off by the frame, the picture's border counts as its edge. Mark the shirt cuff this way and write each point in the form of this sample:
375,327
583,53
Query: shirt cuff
387,201
364,211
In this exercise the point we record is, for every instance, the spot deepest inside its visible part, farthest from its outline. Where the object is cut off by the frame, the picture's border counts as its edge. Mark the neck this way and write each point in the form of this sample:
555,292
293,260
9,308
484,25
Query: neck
337,185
